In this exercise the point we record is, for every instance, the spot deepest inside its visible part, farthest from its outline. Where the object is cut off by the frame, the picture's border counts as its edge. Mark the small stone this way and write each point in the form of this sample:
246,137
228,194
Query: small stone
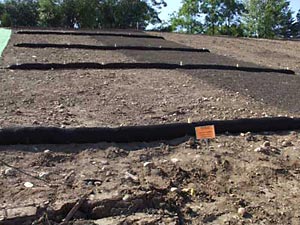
131,177
266,144
126,197
44,175
61,106
249,137
242,212
286,143
174,189
104,162
10,172
35,122
47,151
259,149
148,164
174,160
28,184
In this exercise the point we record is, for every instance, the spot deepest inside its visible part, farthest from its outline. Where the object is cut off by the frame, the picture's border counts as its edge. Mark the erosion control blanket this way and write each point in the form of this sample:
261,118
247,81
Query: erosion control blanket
52,135
4,38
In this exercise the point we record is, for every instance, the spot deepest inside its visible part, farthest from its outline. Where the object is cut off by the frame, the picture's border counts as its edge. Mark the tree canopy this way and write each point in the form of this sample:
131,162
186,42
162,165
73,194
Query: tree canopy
267,18
253,18
87,13
187,17
259,18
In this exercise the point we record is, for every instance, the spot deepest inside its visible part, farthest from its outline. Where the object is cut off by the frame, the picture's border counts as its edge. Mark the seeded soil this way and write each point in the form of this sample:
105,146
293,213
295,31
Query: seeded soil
233,179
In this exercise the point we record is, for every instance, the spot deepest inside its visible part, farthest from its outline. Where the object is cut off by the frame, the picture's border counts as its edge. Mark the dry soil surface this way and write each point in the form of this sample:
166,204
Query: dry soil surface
271,53
242,179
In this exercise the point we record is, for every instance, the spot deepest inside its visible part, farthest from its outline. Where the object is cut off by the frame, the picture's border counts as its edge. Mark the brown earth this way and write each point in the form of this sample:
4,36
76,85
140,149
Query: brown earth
175,182
271,53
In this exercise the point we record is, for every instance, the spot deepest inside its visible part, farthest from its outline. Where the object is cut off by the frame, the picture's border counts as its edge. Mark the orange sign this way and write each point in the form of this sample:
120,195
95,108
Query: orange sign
205,132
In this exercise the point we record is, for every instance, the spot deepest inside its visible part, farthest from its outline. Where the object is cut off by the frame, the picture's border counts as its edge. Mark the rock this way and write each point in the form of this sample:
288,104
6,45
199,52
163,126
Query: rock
10,172
174,160
266,144
191,143
286,143
148,164
242,212
131,177
28,184
259,149
249,137
47,151
104,162
44,175
107,221
174,189
14,213
126,197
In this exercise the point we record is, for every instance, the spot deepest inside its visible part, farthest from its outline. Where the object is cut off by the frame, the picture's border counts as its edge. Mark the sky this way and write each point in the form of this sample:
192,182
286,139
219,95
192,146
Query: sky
173,5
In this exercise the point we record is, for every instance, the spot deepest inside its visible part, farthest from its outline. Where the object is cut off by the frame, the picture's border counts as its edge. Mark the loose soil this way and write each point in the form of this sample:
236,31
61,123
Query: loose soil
280,90
271,53
175,182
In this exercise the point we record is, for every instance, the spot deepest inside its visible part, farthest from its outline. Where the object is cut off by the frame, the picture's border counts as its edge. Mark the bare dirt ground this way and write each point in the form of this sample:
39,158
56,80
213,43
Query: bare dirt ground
272,53
242,179
15,55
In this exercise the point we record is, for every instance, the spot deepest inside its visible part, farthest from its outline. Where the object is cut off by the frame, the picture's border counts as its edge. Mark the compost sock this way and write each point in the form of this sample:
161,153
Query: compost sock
52,135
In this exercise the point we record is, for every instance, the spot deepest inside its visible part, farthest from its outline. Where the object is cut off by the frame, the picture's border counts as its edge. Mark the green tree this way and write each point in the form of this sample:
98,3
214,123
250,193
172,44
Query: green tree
187,18
2,15
6,20
27,13
296,25
268,18
231,11
128,13
213,16
69,12
89,13
1,8
19,13
87,10
252,17
50,13
107,14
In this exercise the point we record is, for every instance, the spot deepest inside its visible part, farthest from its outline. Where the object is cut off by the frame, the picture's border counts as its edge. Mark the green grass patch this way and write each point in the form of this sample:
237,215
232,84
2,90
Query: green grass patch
4,38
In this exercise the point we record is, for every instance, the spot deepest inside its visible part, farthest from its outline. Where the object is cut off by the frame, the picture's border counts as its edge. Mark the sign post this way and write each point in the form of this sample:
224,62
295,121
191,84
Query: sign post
205,133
